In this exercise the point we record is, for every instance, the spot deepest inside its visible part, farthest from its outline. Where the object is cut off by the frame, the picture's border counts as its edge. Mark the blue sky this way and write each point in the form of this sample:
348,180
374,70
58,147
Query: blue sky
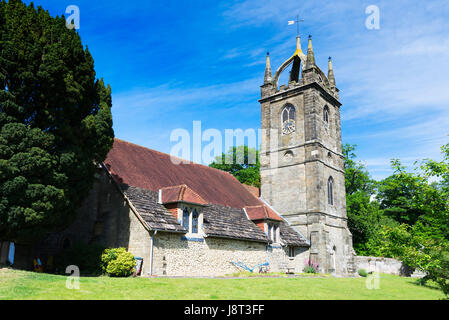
173,62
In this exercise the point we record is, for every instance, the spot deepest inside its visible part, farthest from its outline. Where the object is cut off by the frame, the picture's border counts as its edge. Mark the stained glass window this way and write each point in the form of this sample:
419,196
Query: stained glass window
194,221
185,219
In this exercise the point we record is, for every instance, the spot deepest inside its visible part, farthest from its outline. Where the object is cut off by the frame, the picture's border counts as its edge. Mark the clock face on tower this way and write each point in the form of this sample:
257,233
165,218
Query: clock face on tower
288,127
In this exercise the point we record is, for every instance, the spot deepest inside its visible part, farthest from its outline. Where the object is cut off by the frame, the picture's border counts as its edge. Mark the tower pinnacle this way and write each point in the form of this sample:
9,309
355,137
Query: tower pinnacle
268,77
310,62
330,75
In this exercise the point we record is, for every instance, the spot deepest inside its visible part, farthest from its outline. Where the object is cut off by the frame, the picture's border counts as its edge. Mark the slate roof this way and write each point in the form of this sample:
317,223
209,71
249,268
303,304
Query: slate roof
142,172
154,214
226,222
291,237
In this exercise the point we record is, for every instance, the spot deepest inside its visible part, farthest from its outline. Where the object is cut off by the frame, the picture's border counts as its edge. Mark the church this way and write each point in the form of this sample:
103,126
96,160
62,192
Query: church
192,220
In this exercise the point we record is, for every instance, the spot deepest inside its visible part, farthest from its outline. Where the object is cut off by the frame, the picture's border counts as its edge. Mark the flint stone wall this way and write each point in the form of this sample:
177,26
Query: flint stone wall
175,255
386,265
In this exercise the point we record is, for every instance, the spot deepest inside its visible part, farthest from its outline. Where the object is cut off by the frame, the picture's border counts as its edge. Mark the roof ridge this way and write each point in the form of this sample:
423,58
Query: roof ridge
171,156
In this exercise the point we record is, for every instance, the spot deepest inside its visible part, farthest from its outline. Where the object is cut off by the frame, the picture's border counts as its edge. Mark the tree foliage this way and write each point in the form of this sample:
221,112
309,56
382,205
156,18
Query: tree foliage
55,121
422,240
242,162
365,217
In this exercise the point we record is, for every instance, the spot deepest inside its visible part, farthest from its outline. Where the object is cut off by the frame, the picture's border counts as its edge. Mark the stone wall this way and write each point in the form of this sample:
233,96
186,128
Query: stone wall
176,255
385,265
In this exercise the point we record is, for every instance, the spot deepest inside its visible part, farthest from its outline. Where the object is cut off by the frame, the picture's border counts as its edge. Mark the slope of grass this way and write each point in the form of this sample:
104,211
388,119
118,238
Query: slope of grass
22,285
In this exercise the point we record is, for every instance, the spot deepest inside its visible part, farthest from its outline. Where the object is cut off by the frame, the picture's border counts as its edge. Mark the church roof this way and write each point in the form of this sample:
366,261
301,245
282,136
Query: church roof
262,212
154,214
150,179
153,170
181,193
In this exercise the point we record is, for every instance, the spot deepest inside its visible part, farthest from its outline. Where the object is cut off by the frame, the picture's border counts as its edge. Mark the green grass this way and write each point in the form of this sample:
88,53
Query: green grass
22,285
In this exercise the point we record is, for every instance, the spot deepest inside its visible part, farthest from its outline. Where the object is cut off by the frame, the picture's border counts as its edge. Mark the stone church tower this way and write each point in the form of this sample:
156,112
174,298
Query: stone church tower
302,166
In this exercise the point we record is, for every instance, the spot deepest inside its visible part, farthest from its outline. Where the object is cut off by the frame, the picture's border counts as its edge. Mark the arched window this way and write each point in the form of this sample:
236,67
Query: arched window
288,116
194,221
330,191
185,219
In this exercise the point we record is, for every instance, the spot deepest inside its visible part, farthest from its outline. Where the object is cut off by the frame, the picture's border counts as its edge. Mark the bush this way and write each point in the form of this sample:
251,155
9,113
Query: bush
362,273
86,257
110,255
117,262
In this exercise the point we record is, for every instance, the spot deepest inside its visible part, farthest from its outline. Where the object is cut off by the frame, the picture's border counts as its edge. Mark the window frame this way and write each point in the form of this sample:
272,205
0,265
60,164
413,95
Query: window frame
193,223
185,217
330,191
291,116
291,252
273,232
326,118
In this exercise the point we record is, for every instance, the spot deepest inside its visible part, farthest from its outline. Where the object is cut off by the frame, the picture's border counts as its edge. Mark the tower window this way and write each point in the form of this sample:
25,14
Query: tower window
288,119
330,191
326,117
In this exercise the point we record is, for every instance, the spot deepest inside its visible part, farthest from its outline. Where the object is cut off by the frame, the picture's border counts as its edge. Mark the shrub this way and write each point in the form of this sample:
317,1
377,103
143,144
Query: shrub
362,273
86,257
117,262
110,255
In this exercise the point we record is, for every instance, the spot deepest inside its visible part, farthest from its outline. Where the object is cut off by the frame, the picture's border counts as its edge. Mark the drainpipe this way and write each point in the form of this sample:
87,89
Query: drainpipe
151,251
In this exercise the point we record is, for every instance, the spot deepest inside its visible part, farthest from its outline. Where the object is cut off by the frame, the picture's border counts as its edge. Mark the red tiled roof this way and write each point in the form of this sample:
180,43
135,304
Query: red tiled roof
262,212
254,190
152,170
181,193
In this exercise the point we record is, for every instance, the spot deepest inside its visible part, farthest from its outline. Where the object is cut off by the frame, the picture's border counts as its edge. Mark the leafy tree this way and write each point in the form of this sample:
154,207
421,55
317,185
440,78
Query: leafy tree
242,162
357,178
423,241
55,121
399,193
365,216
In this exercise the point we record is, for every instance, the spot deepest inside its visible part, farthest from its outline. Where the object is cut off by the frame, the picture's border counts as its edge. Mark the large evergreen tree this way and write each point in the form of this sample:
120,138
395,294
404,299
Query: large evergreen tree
55,121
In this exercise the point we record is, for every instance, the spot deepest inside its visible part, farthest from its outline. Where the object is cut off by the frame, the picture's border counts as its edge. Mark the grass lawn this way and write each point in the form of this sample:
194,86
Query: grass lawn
22,285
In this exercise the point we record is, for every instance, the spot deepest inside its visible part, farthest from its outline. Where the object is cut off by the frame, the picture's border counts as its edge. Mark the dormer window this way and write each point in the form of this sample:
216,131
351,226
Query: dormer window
273,232
186,219
191,220
195,217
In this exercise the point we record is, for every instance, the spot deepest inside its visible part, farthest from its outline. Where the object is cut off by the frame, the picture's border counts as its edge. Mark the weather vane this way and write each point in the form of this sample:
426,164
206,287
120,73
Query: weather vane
297,21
